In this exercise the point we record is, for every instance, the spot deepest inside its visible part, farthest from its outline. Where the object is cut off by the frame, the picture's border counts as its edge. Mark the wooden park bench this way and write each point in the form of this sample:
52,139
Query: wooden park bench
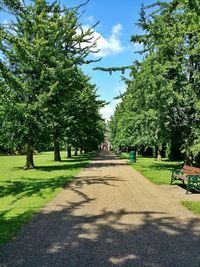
189,175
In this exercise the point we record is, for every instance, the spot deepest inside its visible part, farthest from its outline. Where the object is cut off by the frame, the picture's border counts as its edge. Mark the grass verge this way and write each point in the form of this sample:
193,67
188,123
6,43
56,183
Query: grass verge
158,172
22,193
192,206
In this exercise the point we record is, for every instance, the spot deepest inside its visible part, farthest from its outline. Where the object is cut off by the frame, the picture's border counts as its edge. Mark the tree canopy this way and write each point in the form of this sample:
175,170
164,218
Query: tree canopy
42,85
161,104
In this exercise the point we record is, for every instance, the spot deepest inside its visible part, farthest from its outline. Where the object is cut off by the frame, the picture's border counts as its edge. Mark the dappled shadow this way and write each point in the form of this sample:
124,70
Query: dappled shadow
62,167
103,164
106,160
105,238
83,232
80,158
101,160
91,180
164,166
30,186
8,225
75,162
76,159
26,186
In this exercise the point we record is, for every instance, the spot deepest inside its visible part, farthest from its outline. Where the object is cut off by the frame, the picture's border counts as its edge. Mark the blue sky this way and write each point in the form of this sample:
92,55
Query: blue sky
117,22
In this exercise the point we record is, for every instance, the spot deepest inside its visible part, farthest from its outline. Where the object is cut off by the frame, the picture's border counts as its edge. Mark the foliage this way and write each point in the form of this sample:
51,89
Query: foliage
161,104
40,77
86,129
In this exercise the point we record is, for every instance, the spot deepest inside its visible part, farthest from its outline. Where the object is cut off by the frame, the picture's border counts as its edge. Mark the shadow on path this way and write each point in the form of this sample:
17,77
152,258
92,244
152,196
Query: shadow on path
74,235
61,238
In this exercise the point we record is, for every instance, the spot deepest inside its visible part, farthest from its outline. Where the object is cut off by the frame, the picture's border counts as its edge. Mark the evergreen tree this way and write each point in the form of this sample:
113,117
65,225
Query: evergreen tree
42,50
161,102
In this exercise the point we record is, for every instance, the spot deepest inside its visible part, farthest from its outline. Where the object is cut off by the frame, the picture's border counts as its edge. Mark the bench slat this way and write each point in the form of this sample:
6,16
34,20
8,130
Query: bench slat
191,168
188,172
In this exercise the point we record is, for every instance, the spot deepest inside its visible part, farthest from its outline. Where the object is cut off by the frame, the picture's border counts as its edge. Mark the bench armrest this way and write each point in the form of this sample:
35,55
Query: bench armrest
174,173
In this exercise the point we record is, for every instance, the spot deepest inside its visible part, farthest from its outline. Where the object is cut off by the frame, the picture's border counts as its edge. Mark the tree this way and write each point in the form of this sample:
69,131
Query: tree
162,98
86,131
42,50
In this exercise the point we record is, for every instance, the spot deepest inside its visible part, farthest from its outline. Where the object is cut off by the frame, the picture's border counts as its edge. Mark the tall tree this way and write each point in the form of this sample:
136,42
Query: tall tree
41,51
163,93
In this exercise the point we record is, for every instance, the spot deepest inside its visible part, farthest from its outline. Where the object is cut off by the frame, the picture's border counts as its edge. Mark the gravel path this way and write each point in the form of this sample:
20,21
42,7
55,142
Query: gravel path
109,216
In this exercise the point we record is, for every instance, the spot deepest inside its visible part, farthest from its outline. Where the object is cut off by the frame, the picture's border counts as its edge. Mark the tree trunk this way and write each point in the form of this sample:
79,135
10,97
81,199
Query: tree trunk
29,156
57,156
188,160
159,157
76,152
69,152
81,150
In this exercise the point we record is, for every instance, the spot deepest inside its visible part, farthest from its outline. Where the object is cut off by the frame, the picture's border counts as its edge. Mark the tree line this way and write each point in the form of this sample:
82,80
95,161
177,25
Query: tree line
46,99
161,106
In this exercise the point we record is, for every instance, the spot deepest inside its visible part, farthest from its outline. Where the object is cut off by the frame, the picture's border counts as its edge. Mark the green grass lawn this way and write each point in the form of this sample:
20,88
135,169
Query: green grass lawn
157,172
22,193
192,206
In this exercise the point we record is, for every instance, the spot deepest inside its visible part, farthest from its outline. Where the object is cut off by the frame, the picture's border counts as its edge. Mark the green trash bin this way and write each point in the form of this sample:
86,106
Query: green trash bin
132,156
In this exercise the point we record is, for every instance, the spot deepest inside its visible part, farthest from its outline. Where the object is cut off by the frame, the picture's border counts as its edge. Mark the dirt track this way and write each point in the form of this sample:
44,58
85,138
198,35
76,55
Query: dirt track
109,216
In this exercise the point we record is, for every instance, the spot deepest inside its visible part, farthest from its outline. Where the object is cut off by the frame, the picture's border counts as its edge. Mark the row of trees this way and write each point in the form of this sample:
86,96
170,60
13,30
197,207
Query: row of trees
161,106
45,97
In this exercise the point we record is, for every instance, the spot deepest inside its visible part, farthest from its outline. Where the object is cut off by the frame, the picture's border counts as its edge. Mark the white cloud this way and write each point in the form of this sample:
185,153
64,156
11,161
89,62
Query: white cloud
112,44
106,46
109,109
107,112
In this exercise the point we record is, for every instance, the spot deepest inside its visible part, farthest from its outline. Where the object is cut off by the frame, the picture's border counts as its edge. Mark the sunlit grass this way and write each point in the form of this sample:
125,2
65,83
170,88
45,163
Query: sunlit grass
158,172
192,206
22,193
